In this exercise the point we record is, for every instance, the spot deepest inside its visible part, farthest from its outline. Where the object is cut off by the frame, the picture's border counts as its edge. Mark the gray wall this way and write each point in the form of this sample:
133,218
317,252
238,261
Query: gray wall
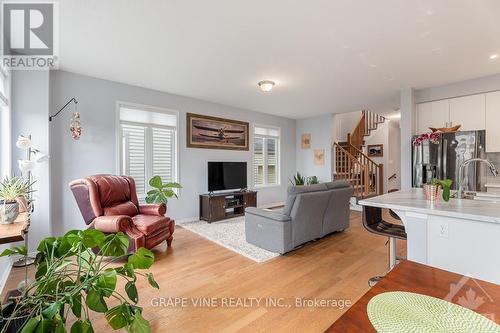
95,152
457,89
30,114
320,129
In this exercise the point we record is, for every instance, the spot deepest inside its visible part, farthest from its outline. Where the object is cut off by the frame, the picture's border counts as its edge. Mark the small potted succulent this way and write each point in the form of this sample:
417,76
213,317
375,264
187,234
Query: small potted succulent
12,191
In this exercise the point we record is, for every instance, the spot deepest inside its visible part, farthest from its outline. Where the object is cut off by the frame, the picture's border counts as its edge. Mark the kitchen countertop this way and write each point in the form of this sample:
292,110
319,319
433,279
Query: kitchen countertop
413,200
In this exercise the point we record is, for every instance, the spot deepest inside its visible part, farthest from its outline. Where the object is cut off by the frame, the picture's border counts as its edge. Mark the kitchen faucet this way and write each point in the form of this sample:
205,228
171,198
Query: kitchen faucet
460,193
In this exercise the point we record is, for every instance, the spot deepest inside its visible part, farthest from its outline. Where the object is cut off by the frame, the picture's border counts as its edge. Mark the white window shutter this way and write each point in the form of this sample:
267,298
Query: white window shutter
163,153
258,161
134,155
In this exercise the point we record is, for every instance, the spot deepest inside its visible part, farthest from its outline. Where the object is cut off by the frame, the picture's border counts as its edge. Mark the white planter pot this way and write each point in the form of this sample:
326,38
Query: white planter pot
8,212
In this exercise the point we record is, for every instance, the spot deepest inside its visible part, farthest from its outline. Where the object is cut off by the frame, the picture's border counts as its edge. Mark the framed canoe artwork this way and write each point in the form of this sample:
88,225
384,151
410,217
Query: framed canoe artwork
216,133
376,150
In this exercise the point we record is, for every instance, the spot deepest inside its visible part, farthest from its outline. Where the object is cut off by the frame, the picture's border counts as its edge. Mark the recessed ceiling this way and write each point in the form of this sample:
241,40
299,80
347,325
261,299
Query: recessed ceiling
325,56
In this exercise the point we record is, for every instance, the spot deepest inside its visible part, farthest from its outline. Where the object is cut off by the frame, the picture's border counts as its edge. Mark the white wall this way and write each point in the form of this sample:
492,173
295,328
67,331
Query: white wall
380,136
394,161
344,123
96,150
321,138
407,125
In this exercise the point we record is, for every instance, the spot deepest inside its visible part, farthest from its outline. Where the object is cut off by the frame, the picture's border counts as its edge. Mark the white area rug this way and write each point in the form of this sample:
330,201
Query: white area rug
230,234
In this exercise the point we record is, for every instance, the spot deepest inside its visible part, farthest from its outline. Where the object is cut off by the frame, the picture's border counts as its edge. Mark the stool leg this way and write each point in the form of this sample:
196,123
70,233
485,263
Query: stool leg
392,252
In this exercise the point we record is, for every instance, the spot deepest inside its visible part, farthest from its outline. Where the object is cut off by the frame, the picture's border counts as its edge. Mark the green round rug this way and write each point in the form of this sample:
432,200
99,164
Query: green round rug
401,312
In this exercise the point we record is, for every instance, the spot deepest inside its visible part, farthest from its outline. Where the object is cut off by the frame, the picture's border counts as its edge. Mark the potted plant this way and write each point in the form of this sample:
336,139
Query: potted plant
72,276
445,184
12,190
161,192
312,180
298,179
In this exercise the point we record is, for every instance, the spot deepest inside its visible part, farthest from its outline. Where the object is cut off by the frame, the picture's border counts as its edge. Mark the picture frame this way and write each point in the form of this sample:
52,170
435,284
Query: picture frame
305,141
376,150
216,133
319,157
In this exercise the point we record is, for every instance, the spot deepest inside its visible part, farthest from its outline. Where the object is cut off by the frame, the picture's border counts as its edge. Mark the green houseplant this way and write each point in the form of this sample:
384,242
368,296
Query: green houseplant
71,276
12,189
445,184
312,180
161,192
298,179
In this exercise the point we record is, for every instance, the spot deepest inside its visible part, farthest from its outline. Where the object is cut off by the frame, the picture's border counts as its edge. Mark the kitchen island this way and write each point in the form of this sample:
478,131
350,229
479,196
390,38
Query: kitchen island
461,236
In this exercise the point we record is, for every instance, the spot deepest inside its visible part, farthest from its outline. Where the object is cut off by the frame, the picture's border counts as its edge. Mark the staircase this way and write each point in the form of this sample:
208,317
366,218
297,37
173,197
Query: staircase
353,165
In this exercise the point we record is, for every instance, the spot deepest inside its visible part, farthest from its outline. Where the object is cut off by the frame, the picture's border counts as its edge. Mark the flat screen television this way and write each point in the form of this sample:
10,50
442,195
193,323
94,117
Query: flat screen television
227,176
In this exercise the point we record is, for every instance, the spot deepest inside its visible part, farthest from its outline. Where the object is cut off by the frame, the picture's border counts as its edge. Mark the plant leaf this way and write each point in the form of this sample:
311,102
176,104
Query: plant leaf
76,305
115,245
131,290
92,238
60,327
14,250
155,182
31,324
142,259
82,326
50,311
107,282
117,316
45,326
172,185
139,324
152,281
95,301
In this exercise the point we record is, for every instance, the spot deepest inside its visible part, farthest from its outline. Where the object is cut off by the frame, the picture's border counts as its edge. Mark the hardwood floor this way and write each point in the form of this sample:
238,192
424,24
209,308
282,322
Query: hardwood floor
336,267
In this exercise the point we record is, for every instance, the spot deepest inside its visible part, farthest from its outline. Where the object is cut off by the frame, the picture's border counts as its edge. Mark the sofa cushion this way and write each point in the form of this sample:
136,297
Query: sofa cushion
294,190
149,224
337,184
123,208
112,189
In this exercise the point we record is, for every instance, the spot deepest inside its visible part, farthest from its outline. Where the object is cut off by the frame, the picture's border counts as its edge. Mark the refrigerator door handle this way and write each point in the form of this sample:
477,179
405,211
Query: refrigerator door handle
445,159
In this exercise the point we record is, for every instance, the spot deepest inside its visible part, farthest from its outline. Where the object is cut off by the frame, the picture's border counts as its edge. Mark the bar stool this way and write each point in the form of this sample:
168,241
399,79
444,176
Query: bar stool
374,223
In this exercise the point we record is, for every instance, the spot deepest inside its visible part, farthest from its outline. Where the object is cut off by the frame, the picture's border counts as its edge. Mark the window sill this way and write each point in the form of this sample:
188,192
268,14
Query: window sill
259,187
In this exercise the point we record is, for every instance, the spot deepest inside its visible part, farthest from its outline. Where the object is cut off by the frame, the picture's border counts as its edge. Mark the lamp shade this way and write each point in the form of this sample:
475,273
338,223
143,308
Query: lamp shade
23,142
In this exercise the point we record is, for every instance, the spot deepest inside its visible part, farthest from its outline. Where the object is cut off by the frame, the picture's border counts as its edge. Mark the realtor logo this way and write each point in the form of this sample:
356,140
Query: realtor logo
29,35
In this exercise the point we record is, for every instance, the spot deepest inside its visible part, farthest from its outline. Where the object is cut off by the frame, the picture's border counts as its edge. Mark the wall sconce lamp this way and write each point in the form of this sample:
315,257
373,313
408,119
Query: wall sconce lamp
75,126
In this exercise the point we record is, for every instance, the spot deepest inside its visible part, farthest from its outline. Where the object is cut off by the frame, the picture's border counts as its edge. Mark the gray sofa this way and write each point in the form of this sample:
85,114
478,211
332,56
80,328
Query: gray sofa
310,212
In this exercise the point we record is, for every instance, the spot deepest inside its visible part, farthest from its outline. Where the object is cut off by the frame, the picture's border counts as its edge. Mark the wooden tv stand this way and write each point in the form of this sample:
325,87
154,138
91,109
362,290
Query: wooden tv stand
221,206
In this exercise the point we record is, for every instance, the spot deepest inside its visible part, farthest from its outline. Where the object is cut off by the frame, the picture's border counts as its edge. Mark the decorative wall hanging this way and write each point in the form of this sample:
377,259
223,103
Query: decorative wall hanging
319,156
216,133
376,150
75,126
305,141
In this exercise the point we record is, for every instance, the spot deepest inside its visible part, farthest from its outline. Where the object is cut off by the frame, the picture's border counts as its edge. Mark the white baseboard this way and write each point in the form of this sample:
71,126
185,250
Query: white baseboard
5,275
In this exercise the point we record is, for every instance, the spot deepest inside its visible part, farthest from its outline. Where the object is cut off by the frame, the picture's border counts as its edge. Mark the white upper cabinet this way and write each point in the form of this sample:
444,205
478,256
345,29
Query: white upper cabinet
493,122
469,112
432,114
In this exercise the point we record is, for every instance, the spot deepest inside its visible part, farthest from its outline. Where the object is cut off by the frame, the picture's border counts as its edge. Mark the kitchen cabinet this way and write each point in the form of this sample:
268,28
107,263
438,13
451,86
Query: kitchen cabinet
492,121
468,111
432,114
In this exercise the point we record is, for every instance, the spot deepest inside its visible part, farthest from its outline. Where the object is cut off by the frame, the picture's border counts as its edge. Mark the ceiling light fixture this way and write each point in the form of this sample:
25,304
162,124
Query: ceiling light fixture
494,56
266,85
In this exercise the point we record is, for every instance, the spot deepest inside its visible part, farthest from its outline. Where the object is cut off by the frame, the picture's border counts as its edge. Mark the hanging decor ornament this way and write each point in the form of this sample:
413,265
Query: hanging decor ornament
75,125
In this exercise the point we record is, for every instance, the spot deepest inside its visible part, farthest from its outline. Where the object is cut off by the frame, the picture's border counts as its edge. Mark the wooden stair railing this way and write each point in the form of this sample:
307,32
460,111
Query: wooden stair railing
369,122
349,168
375,170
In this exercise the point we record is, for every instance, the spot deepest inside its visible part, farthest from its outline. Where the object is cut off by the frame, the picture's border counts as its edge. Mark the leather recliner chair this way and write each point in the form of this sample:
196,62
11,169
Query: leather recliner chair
109,203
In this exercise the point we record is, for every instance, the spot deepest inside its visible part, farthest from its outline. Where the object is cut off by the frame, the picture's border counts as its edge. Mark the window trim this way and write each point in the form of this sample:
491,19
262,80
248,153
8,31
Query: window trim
143,107
6,136
278,157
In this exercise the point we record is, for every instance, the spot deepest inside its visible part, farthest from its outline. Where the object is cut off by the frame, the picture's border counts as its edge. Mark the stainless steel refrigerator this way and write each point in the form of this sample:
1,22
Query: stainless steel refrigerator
443,160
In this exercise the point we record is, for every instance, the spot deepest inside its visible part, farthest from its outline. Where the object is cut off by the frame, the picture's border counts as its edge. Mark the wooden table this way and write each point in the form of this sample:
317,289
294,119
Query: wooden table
413,277
14,232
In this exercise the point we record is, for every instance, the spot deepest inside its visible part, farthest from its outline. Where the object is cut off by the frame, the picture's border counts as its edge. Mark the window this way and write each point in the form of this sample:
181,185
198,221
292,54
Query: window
5,124
148,145
266,155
